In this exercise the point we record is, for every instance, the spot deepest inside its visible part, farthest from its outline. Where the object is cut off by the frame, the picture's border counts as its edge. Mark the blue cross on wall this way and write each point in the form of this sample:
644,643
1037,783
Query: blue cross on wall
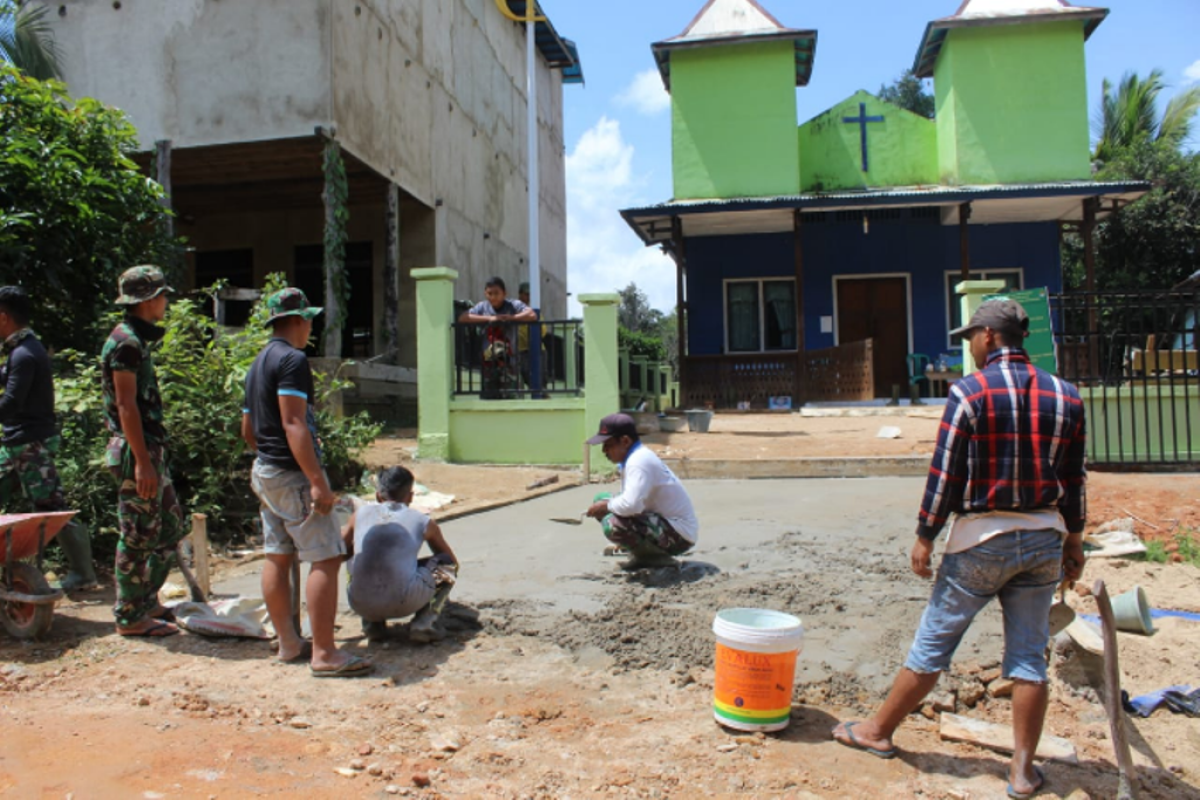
861,120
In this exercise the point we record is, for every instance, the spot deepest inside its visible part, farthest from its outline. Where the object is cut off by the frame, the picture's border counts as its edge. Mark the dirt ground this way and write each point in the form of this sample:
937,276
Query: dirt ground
608,704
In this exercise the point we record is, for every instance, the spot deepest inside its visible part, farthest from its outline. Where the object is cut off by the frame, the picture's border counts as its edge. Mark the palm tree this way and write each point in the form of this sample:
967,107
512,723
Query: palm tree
1131,113
26,40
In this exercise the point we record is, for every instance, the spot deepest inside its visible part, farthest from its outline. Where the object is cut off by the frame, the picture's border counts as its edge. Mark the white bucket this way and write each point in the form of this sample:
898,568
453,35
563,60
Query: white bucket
755,668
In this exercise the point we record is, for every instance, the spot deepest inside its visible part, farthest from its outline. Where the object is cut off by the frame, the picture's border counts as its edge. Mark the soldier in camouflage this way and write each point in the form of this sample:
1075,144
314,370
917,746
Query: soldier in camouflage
151,519
28,478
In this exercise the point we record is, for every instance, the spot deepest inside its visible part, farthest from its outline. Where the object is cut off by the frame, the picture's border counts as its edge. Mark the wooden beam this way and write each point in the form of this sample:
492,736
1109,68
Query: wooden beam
798,382
391,276
333,313
680,250
964,241
162,174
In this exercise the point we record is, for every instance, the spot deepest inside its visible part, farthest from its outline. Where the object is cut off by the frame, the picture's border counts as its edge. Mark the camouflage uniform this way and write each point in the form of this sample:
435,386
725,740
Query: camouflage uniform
28,478
150,528
642,532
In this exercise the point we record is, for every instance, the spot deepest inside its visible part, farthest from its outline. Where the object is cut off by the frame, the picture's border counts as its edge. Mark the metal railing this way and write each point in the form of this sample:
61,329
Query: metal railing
518,360
1133,356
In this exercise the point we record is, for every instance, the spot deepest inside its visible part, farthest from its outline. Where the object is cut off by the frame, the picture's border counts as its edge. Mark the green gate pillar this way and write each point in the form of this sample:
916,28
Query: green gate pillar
601,383
435,359
972,294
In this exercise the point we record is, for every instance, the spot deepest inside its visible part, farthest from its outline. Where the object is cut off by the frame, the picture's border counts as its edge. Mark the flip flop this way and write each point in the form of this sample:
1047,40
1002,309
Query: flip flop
354,668
1041,784
855,744
157,630
301,657
163,613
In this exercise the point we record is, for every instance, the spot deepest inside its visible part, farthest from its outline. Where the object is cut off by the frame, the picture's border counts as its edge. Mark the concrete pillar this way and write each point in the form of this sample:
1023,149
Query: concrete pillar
570,358
601,386
435,357
971,294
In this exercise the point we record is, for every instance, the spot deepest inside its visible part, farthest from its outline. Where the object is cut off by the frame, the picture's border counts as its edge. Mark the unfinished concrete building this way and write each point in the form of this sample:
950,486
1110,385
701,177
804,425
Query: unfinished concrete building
241,104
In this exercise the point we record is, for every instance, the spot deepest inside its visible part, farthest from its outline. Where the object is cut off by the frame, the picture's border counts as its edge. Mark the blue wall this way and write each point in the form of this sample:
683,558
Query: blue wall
922,248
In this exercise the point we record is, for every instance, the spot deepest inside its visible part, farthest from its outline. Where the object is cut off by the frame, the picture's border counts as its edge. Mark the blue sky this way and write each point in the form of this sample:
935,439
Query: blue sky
618,125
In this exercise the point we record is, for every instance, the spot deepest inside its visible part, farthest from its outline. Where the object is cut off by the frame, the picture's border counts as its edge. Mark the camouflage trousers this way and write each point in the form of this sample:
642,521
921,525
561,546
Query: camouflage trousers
28,478
150,529
646,533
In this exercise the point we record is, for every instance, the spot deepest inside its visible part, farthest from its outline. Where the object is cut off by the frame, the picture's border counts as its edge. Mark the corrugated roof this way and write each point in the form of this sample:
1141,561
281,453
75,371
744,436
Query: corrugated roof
1044,201
560,53
983,13
730,22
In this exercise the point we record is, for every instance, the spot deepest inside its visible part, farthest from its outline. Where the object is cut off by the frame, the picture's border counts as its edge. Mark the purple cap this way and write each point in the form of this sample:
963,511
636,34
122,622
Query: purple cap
615,425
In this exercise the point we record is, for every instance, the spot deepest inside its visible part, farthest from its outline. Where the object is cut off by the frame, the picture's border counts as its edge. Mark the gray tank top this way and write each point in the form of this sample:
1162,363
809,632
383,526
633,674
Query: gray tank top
385,581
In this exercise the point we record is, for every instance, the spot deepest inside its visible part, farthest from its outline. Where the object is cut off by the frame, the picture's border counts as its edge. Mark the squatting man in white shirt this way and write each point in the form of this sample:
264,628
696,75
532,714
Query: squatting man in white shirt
652,518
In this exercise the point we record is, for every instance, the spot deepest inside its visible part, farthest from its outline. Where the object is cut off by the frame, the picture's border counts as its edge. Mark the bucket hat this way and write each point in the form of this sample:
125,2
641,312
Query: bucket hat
142,283
290,302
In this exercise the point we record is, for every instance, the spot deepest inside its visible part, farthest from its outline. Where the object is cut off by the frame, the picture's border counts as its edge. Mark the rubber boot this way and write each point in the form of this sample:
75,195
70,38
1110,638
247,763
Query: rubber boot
76,545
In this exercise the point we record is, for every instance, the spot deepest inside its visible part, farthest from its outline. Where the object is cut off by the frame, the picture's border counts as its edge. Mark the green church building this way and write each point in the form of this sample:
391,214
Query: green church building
794,244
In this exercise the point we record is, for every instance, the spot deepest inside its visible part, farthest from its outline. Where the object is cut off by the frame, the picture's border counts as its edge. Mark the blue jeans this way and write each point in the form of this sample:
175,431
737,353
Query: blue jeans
1021,568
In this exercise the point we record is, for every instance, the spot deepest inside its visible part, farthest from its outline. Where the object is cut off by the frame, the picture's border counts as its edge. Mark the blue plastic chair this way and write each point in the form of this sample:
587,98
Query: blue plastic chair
916,368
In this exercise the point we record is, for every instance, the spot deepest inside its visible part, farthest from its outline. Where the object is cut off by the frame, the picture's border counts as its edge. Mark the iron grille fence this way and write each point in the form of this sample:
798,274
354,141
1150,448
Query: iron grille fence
1133,356
503,360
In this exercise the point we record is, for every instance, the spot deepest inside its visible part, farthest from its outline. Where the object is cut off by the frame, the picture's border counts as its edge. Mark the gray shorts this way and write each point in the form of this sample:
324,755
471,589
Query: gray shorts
288,522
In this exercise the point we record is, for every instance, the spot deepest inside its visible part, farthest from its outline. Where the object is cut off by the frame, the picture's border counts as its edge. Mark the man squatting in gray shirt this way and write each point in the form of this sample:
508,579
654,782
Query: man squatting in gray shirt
387,580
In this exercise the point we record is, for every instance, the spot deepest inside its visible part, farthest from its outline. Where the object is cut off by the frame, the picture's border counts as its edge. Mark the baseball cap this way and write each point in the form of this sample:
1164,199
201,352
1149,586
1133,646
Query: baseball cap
1002,316
290,302
141,283
615,425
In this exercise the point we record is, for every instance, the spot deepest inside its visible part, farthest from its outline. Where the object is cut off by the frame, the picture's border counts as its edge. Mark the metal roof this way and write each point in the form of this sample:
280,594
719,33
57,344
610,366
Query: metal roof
734,22
985,13
997,204
560,53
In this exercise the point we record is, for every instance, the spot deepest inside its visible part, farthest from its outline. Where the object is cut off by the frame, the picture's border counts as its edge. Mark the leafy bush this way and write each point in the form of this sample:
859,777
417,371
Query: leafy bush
75,211
201,372
642,344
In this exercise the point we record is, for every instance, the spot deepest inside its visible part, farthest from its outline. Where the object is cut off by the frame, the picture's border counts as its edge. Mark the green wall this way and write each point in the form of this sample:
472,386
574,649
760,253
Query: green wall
1012,105
517,431
902,150
733,114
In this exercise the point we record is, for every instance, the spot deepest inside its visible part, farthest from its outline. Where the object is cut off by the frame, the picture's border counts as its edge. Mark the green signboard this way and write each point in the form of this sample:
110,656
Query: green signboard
1040,344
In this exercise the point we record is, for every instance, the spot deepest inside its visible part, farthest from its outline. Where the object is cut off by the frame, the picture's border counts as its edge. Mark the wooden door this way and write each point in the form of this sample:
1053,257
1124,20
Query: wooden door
877,308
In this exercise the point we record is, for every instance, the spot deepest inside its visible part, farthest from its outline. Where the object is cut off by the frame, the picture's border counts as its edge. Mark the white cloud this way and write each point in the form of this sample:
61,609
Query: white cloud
1192,73
646,94
603,252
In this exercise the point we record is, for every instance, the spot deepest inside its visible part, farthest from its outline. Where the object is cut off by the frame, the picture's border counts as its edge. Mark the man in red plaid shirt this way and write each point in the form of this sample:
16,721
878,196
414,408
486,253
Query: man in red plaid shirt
1009,468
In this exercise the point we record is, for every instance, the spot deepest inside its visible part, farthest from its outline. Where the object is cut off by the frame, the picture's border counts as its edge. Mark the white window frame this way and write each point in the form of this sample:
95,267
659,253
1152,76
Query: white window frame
853,276
951,297
762,316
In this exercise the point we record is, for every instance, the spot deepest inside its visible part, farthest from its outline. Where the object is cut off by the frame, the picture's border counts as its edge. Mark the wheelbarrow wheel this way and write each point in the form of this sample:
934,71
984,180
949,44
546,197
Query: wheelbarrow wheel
27,620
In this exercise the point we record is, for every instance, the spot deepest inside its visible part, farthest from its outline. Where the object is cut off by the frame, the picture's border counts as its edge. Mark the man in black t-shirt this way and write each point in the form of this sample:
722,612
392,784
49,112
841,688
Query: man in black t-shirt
279,422
28,477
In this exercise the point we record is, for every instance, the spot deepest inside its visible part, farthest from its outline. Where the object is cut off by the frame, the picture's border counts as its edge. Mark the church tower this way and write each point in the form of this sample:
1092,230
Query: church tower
732,75
1011,87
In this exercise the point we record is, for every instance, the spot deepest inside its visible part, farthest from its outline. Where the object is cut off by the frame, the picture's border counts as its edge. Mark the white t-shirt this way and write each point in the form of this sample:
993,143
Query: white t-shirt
647,484
968,530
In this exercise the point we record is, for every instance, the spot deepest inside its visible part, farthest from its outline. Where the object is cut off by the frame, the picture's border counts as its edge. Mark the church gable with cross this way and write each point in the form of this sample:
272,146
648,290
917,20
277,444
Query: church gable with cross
863,142
796,243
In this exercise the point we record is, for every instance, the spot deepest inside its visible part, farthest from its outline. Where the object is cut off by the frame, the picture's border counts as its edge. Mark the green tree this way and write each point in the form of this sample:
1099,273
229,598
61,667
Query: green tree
634,313
1130,114
908,92
26,40
1154,243
75,211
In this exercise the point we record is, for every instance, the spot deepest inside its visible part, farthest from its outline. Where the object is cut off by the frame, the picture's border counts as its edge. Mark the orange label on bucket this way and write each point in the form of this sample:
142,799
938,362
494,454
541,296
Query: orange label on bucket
753,682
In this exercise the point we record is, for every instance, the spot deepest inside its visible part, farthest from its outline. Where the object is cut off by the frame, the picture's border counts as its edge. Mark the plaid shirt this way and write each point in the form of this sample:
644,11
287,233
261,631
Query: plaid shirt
1012,439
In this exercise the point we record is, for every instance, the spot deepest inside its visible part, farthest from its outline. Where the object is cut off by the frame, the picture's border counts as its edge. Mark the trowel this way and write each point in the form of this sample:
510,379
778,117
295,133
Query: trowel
1061,614
570,520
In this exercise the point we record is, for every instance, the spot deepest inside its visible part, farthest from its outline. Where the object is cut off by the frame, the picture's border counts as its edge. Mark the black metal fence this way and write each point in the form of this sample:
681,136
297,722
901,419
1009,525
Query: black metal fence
1134,358
518,360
